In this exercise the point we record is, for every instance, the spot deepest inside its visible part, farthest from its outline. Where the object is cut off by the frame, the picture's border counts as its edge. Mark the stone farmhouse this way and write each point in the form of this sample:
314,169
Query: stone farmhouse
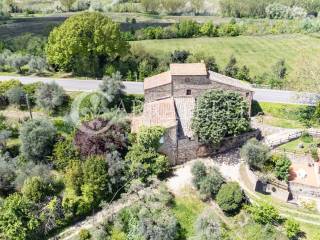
170,99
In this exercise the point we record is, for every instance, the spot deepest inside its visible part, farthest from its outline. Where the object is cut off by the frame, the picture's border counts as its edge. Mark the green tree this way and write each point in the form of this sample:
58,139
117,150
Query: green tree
37,139
95,179
232,69
255,154
67,3
173,6
292,228
50,96
264,213
230,197
143,162
149,137
64,152
73,177
151,6
17,219
85,44
282,165
219,114
244,74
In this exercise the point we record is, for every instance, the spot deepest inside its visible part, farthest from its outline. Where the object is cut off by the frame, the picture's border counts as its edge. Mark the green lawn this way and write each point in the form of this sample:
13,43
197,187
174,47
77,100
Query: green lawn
293,146
187,209
259,53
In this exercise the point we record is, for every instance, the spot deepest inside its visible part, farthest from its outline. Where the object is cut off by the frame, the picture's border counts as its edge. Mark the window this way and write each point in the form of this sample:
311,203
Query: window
188,92
247,94
188,80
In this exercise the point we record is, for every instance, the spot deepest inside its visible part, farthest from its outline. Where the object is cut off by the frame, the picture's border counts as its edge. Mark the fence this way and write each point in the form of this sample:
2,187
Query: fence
292,136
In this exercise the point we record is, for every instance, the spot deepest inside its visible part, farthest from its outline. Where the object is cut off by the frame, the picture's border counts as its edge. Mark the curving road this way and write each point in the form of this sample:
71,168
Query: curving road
262,95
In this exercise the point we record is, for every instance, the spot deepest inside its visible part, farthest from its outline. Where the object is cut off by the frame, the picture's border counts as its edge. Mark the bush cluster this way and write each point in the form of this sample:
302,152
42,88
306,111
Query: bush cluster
207,180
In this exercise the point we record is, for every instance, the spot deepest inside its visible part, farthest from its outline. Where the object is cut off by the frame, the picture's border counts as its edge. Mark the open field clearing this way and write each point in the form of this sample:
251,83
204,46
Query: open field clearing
258,53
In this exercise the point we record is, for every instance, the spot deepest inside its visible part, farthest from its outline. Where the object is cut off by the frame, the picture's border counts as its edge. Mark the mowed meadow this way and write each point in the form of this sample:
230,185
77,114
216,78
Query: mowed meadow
259,53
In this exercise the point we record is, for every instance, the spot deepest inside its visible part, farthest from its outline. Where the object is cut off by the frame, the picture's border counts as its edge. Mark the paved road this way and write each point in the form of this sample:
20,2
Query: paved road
262,95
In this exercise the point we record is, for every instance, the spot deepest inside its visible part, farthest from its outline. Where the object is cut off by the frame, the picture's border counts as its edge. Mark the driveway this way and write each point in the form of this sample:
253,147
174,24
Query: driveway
261,95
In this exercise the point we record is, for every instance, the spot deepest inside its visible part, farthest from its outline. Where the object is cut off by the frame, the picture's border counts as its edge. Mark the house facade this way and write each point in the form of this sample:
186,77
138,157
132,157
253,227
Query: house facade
170,99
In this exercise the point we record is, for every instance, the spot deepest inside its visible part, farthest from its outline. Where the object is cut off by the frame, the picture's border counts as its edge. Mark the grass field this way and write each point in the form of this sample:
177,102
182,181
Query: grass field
259,53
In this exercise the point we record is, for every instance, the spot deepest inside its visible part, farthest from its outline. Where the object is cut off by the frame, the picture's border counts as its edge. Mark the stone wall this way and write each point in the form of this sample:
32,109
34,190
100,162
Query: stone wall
169,146
303,190
157,93
188,149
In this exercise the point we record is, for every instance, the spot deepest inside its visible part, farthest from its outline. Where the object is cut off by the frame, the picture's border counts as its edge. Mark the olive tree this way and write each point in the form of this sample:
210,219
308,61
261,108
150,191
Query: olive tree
220,114
208,227
37,139
256,154
50,96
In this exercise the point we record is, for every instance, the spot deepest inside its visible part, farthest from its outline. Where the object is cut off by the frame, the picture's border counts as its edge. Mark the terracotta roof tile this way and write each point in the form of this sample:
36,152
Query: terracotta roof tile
158,113
157,80
185,107
192,69
217,77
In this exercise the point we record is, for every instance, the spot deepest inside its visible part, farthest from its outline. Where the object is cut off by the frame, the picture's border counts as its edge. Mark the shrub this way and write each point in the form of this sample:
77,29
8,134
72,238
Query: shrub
209,29
187,29
307,114
64,152
37,65
112,87
278,11
95,179
101,136
220,114
143,163
7,85
208,227
7,174
306,137
84,234
211,184
230,197
282,166
135,220
37,139
149,137
255,154
18,210
229,29
199,172
232,69
31,90
35,189
179,56
292,228
50,96
16,96
264,213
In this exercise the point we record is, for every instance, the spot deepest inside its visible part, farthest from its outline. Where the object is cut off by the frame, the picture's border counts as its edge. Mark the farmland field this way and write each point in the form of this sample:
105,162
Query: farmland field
259,53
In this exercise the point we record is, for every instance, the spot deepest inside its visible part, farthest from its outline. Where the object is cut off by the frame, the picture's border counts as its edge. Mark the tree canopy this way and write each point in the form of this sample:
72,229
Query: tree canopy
219,114
85,44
